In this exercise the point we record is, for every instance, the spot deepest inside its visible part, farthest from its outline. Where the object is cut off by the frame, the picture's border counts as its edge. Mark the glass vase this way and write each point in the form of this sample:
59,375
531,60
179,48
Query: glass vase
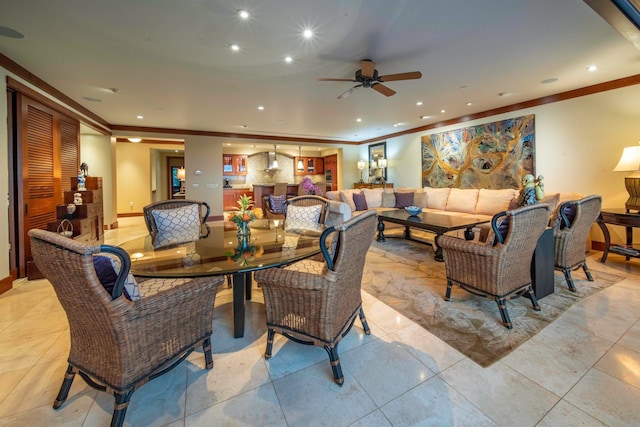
244,232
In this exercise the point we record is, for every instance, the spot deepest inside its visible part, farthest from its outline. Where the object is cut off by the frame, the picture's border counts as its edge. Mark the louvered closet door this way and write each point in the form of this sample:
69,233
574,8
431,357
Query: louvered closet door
69,152
41,172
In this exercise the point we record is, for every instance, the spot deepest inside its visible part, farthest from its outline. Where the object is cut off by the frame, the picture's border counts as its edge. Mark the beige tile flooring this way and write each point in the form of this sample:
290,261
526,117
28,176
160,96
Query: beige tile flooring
584,369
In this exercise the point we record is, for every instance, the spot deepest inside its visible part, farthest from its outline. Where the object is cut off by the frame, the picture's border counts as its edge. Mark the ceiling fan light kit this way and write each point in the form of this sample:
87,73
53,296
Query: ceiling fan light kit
367,77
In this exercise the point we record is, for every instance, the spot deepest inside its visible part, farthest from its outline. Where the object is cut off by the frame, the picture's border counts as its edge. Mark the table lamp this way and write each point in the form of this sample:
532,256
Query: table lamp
361,165
181,175
630,162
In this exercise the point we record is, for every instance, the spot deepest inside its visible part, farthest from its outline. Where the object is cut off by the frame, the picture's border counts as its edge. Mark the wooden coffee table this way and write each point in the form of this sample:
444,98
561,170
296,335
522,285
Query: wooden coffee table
434,222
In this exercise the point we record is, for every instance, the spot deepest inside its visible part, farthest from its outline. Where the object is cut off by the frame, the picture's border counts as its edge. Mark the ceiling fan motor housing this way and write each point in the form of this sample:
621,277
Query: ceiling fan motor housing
367,81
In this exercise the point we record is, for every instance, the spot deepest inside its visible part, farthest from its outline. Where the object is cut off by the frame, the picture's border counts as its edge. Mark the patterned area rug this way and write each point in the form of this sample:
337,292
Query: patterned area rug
404,275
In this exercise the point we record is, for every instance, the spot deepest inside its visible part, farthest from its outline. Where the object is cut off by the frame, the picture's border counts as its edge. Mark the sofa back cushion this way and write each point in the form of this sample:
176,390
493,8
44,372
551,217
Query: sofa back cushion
462,200
490,202
333,195
360,201
437,197
373,196
388,199
420,199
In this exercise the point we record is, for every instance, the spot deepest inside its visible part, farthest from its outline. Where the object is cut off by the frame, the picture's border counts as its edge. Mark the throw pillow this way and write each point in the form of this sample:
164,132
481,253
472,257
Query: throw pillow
403,200
276,202
107,269
177,225
570,211
503,230
346,196
373,196
303,218
388,200
420,199
360,201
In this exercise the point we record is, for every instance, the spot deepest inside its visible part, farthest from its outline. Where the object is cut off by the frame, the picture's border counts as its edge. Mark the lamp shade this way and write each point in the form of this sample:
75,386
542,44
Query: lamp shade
630,160
181,174
382,162
361,164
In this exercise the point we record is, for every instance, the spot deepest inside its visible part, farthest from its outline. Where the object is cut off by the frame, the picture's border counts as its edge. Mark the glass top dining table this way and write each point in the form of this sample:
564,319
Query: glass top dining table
220,251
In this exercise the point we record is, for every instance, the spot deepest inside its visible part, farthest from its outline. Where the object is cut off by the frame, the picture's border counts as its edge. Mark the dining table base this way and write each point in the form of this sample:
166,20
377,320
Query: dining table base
241,293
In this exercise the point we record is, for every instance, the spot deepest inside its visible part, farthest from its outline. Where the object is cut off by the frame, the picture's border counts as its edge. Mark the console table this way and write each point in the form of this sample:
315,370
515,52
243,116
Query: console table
626,219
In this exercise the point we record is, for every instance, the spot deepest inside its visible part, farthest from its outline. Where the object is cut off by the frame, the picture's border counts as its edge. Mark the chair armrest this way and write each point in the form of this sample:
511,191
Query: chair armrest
284,278
468,246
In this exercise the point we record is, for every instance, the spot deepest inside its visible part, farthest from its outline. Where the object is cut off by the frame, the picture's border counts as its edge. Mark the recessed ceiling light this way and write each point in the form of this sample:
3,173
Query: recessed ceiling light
503,93
11,33
419,103
228,144
469,104
288,59
424,117
134,139
592,67
443,111
139,117
549,80
307,34
358,119
244,126
177,151
234,47
253,146
243,14
114,90
395,125
260,107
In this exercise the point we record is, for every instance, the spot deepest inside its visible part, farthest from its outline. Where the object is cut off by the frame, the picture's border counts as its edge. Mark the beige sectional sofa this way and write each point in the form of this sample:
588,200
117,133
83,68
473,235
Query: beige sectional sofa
449,201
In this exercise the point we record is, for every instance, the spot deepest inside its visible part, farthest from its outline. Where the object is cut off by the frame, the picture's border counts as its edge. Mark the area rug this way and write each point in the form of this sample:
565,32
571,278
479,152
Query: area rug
404,275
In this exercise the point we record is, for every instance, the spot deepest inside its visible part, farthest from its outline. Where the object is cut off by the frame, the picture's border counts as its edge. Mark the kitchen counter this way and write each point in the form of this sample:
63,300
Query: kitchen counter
261,190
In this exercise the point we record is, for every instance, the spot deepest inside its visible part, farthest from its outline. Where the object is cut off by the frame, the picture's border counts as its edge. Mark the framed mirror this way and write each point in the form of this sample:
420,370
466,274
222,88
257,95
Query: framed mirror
378,162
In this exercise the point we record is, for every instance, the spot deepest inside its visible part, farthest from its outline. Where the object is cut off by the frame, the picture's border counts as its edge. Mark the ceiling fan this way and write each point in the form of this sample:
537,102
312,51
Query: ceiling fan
367,76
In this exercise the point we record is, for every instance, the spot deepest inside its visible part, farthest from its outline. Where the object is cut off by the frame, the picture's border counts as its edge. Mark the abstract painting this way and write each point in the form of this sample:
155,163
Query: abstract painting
492,155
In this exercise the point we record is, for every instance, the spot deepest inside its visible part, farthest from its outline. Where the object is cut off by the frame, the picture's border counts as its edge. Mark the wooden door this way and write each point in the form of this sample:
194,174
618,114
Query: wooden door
331,171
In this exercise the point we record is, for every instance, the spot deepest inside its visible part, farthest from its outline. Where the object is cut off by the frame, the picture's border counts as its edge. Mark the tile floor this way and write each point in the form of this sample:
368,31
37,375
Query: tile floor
584,369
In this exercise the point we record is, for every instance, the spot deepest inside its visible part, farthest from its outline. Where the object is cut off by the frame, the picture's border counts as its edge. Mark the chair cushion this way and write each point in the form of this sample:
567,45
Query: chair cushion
303,218
360,201
403,200
107,269
570,213
503,229
276,202
177,225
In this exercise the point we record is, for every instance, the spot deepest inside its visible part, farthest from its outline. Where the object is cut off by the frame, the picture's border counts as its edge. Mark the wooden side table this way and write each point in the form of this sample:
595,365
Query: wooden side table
626,219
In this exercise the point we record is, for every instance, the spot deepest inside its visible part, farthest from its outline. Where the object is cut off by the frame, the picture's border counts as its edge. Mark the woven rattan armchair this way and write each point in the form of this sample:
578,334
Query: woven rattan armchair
316,303
570,233
308,200
268,211
173,204
500,267
117,345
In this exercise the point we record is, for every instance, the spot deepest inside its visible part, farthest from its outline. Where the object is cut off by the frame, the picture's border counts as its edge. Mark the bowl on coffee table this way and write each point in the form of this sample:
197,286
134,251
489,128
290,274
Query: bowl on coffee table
413,210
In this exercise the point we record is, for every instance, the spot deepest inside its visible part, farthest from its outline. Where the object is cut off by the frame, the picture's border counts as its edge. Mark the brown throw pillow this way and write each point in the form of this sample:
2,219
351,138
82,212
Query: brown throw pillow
360,201
404,199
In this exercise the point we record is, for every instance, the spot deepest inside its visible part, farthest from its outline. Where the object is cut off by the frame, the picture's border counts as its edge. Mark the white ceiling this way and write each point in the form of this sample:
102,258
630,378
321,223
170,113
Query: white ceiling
172,64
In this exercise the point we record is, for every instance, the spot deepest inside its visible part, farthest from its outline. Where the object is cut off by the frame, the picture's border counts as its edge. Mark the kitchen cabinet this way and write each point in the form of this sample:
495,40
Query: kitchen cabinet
312,166
230,197
234,164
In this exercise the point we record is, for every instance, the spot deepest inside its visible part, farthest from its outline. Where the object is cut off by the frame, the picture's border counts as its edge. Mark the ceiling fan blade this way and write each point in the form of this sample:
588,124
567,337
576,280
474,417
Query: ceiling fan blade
323,79
368,67
349,92
383,89
401,76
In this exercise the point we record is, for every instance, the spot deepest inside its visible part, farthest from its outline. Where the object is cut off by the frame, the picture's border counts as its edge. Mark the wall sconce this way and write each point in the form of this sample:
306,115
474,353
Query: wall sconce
361,165
275,158
630,162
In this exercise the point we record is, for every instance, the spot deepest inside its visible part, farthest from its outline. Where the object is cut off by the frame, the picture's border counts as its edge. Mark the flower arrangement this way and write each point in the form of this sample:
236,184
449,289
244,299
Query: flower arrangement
242,255
245,214
309,187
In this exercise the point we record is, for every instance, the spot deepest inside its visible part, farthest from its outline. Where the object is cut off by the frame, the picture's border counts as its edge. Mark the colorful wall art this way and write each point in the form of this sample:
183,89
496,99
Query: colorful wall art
492,155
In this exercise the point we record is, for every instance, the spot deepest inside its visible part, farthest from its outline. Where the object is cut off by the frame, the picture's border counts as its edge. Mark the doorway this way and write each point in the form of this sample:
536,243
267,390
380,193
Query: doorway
176,177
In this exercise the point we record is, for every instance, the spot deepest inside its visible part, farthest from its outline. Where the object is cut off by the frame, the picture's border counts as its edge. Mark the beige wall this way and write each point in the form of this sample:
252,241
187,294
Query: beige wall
4,175
95,151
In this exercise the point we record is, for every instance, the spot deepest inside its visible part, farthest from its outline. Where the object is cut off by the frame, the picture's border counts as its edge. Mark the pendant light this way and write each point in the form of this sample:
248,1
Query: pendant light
275,158
300,162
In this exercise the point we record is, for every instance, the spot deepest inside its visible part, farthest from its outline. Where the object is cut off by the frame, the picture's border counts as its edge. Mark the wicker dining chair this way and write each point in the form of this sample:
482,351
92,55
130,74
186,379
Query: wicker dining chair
120,343
570,232
500,267
280,189
308,200
269,211
316,302
173,204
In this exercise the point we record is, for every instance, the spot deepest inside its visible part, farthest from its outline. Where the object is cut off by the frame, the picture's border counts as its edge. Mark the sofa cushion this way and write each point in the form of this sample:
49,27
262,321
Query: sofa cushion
462,200
437,197
360,201
346,196
373,196
388,199
403,200
333,195
490,202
